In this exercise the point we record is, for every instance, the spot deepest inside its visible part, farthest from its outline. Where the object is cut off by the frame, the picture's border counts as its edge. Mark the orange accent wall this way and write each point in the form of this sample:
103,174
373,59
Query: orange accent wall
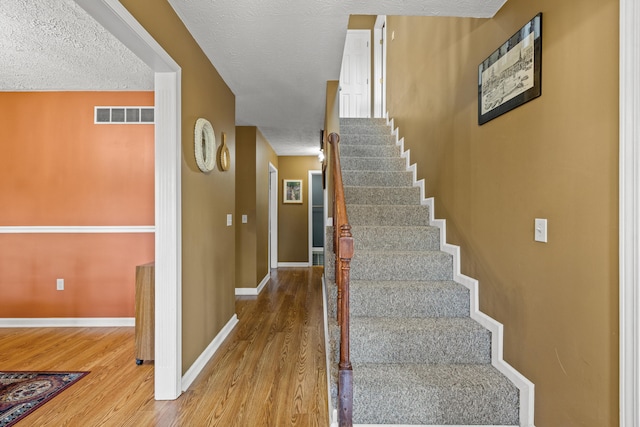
58,168
98,270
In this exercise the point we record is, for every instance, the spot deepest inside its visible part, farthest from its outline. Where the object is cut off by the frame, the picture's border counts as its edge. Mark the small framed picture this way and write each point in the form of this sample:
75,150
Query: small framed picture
292,191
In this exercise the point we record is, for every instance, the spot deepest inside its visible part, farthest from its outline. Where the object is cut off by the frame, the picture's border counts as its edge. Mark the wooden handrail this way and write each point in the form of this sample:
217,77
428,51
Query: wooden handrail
343,248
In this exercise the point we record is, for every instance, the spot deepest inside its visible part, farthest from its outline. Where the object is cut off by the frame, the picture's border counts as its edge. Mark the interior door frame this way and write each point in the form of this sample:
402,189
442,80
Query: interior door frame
273,216
380,67
116,19
310,201
629,211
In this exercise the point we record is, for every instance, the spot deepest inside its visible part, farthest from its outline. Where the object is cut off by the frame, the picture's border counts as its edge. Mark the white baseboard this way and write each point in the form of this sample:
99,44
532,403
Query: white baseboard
70,322
525,386
256,290
294,264
207,354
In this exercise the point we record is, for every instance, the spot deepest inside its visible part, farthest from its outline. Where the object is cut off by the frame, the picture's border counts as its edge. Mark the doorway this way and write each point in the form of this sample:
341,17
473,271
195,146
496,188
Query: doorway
380,67
316,218
273,217
354,75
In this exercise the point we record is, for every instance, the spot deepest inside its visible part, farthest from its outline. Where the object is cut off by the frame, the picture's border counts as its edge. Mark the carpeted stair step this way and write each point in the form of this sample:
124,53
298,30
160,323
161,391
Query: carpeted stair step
433,395
366,139
400,215
373,163
387,265
361,122
379,127
377,178
382,195
381,238
455,340
368,151
394,298
443,298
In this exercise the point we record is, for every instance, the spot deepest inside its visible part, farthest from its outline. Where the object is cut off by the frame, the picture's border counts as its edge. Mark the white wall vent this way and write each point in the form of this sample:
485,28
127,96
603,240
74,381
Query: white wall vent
123,115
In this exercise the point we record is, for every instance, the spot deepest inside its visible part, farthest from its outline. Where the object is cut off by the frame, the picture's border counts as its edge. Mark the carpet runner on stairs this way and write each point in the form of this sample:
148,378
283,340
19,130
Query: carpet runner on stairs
418,357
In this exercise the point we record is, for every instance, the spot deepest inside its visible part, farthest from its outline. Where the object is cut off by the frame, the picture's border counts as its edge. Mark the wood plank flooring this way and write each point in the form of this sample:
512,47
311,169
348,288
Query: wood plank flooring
269,372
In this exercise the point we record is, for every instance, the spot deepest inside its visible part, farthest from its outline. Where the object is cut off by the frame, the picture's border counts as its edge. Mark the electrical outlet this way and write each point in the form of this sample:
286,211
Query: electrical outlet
60,284
244,219
540,230
229,220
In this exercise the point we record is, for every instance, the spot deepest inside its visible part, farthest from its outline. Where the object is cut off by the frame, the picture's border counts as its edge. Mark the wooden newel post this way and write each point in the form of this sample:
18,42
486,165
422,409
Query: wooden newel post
345,379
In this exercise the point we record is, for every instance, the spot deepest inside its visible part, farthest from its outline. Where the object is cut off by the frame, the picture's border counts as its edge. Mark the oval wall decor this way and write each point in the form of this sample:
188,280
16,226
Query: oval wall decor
205,145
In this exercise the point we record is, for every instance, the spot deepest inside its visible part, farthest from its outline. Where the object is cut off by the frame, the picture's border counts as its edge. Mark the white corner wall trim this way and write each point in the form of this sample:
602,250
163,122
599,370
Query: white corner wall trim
294,264
525,386
629,214
70,322
168,203
256,290
208,353
73,229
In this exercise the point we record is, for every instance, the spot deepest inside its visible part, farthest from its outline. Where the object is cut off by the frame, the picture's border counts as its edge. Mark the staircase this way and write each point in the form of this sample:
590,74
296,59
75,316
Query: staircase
418,356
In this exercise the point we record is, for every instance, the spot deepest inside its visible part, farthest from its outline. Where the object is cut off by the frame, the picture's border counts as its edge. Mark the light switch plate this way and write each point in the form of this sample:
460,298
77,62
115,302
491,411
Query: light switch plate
60,284
244,219
540,230
229,220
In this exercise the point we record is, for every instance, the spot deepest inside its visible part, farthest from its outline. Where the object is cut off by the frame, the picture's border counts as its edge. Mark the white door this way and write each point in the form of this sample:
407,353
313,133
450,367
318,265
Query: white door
354,75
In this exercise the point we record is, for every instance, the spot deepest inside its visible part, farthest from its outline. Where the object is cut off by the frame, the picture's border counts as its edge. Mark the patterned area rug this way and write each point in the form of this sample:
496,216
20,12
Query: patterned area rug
21,392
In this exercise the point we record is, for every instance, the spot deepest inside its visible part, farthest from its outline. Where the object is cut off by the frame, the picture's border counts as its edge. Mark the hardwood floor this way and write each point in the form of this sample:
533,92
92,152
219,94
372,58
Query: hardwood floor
269,372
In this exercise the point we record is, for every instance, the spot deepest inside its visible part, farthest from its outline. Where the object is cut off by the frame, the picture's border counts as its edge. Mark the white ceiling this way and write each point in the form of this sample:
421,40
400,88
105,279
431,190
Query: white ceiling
275,55
55,45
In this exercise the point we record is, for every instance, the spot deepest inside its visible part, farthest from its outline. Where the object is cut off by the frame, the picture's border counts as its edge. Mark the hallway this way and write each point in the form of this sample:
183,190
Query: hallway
269,372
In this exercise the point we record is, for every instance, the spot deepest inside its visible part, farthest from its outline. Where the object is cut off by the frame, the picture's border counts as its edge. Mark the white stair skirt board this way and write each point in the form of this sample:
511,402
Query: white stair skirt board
207,354
525,386
333,412
71,322
256,290
294,264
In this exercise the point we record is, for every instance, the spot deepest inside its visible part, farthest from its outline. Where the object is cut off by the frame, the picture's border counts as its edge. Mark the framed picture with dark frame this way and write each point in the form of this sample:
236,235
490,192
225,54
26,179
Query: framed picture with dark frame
292,191
511,75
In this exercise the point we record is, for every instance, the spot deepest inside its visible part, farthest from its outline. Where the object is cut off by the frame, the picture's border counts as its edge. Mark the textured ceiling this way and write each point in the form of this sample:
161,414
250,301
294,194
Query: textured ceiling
55,45
275,55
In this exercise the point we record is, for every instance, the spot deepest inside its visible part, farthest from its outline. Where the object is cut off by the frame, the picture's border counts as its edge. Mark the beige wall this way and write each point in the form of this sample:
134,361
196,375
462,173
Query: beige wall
264,156
254,153
293,218
361,22
246,205
208,245
555,158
